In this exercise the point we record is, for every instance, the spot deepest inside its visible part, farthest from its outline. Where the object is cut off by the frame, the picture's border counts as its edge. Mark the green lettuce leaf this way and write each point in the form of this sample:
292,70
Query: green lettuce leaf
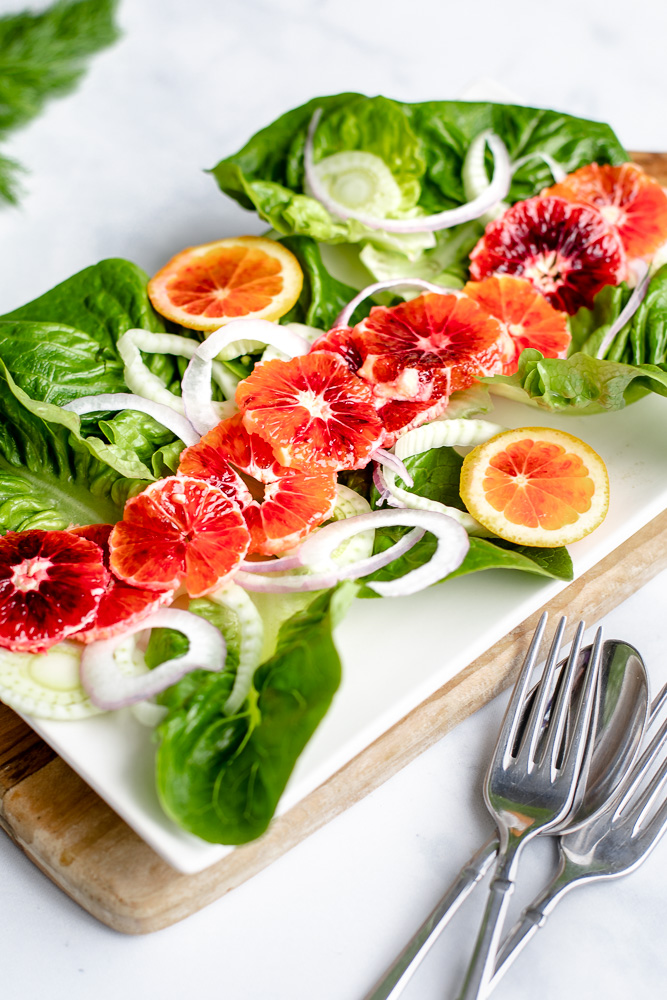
436,474
50,475
423,145
221,777
580,382
322,296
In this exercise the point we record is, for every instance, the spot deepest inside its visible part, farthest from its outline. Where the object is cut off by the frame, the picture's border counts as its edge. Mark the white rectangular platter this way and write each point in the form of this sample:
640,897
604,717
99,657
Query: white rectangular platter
396,652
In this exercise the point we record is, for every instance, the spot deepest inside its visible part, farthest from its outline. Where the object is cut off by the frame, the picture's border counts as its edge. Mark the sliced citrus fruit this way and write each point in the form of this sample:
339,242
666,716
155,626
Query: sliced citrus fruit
536,486
626,197
283,506
179,530
207,286
422,349
314,412
51,584
529,320
568,251
121,604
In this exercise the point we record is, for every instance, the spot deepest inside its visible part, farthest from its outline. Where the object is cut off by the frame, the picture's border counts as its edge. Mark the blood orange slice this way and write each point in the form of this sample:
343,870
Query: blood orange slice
567,251
51,584
179,530
283,506
526,316
205,287
313,411
121,604
536,486
626,197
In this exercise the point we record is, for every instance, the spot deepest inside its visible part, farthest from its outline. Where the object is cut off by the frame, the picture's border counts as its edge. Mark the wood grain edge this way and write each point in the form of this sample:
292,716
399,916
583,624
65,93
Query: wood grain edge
81,845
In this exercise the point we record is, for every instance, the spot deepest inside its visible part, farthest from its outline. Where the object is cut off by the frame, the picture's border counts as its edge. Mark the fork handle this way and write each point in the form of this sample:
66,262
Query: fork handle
482,963
397,976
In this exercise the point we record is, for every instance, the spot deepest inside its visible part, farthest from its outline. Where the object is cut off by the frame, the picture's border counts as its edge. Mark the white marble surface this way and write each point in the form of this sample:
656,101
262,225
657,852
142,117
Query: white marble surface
117,169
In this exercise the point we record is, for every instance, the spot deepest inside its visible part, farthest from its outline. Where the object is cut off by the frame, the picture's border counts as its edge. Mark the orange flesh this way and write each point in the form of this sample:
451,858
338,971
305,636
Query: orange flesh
537,484
230,282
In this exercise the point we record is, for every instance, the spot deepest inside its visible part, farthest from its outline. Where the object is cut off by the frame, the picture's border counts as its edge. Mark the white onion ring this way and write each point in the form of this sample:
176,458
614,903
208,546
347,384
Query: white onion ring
196,383
343,317
109,688
496,191
173,421
643,273
315,553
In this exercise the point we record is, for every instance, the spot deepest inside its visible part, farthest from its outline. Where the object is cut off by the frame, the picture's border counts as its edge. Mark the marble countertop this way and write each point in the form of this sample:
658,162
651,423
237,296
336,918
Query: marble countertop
118,169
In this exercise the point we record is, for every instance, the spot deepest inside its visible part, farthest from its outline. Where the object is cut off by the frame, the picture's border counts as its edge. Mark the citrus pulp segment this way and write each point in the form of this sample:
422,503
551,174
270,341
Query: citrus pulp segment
204,287
527,317
568,251
631,201
121,605
536,486
313,411
179,530
51,583
283,504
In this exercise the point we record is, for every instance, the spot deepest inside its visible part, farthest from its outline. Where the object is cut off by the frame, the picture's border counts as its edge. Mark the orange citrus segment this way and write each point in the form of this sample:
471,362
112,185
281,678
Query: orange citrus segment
526,315
536,486
244,276
626,197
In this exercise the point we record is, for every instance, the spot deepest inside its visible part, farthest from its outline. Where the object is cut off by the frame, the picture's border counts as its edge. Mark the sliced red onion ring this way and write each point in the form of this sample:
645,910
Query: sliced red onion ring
109,687
196,383
394,463
557,172
316,552
380,485
643,275
495,192
164,415
344,316
271,565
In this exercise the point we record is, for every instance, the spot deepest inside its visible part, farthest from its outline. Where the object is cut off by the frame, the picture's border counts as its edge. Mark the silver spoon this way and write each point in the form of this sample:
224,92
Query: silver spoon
624,707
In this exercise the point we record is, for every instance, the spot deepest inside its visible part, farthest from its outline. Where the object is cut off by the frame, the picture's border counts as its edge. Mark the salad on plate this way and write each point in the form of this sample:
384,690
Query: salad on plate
201,471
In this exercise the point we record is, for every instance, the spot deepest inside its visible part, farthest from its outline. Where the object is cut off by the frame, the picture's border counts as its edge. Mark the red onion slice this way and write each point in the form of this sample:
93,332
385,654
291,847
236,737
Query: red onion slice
393,462
271,565
495,192
164,415
344,316
196,383
317,549
643,277
109,687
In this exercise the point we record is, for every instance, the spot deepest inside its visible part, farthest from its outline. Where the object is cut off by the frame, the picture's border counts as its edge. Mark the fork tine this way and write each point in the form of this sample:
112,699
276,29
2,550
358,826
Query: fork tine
641,769
562,704
578,745
653,831
513,714
657,705
533,728
648,797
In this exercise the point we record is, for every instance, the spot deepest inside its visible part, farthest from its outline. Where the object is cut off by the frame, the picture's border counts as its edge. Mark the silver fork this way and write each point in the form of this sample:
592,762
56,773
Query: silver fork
532,779
614,843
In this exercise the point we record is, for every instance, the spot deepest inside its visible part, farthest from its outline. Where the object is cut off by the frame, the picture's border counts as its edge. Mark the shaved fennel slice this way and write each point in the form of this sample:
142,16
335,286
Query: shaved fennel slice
359,181
251,640
104,667
196,384
46,685
438,434
141,380
173,421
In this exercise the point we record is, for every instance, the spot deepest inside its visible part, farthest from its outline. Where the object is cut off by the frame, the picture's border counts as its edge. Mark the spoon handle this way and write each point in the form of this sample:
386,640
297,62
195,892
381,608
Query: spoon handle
396,977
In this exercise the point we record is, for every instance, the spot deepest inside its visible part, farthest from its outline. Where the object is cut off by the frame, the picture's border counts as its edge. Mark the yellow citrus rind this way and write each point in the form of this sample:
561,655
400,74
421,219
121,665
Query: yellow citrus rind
536,486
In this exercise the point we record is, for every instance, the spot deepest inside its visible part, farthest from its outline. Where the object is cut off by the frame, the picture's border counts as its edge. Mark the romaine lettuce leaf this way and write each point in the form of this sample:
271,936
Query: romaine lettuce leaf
67,337
423,144
50,475
221,777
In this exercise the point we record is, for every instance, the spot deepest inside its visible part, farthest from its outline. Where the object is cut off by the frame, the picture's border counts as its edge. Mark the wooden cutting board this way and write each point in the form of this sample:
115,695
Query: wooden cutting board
87,850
